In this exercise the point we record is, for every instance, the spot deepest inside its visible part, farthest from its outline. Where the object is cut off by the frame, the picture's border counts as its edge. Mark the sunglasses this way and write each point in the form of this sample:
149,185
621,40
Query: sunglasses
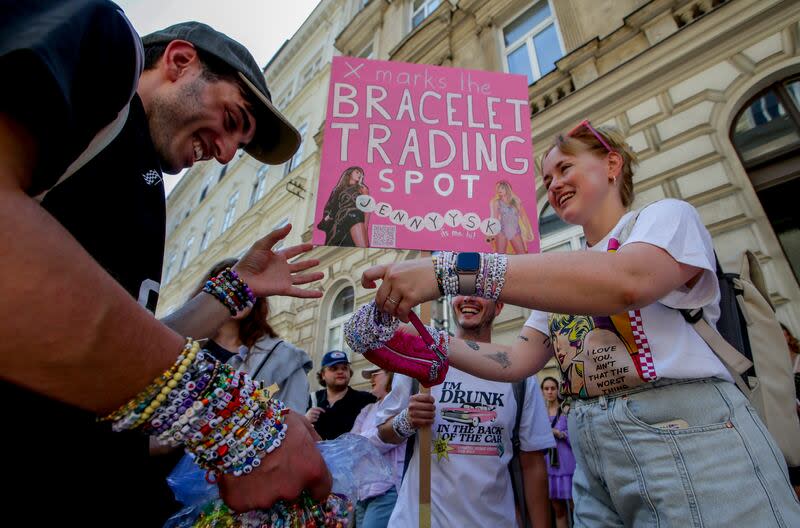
588,125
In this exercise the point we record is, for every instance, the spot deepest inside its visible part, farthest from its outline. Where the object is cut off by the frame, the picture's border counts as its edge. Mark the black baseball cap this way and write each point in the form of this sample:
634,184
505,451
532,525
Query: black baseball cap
276,140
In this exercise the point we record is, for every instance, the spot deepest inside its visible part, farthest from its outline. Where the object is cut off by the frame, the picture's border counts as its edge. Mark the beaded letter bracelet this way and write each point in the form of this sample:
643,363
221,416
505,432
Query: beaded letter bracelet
223,417
230,290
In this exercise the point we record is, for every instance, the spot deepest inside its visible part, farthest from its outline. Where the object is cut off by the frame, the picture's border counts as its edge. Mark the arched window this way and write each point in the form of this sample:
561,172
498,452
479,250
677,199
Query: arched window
259,184
766,135
206,238
556,234
341,309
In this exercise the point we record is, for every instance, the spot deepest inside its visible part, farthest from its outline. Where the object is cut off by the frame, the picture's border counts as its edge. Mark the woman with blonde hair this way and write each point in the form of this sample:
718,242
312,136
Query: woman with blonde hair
666,439
515,227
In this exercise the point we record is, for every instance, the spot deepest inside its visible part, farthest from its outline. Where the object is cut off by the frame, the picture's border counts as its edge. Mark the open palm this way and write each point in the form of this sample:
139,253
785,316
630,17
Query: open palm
270,272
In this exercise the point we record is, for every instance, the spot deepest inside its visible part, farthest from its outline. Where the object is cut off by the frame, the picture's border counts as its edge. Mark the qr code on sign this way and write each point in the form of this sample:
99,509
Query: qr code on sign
383,236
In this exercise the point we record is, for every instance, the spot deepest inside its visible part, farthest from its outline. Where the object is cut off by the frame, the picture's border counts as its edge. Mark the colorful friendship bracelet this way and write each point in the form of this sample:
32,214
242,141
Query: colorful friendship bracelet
223,417
230,290
334,512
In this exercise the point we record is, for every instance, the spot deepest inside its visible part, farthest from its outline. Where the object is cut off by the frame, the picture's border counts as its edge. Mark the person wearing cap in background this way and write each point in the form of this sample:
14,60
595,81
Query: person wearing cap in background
88,125
334,408
377,500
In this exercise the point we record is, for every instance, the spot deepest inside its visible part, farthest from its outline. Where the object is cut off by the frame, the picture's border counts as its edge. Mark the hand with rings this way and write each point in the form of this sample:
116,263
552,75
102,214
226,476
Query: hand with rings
403,285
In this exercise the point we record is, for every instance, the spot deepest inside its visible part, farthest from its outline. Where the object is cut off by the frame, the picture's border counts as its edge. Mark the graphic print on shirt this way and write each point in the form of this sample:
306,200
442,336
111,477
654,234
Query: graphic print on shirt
601,355
468,422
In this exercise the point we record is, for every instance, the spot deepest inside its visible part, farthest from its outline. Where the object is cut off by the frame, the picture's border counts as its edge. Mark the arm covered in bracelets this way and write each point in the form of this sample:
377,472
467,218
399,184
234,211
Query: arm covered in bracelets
635,276
265,271
229,426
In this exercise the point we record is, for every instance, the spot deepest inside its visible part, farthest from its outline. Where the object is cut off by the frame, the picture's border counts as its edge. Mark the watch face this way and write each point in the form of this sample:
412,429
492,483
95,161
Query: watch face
468,261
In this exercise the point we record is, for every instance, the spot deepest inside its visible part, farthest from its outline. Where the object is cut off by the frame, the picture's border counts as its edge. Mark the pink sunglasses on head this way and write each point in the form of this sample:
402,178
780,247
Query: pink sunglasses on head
587,124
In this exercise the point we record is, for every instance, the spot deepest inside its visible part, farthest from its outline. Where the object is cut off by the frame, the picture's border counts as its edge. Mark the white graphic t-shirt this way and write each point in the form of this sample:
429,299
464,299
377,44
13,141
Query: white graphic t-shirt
471,435
607,354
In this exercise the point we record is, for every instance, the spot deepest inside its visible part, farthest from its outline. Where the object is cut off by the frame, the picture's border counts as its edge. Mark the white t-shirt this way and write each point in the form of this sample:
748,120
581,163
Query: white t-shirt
603,355
471,435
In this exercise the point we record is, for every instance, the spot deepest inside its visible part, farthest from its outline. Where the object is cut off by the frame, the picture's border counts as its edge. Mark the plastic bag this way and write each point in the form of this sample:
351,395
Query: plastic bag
353,461
188,483
355,464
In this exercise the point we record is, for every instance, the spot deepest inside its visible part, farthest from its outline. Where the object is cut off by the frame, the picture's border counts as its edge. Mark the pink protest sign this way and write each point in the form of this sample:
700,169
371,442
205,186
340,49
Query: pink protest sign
426,157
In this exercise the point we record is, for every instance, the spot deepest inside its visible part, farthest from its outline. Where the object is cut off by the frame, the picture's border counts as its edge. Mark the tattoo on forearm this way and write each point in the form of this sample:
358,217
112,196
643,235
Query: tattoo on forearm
500,357
523,338
473,345
547,342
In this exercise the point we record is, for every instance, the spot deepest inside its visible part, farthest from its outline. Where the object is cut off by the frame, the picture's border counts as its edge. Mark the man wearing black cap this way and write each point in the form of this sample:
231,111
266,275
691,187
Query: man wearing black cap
88,124
335,407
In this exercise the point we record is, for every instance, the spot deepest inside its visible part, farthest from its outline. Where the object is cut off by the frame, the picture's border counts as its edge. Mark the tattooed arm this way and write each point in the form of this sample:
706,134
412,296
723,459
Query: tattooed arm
525,357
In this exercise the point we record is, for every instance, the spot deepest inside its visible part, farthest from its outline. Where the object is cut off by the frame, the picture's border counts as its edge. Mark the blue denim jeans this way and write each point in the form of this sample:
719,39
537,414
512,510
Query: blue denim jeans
374,512
676,454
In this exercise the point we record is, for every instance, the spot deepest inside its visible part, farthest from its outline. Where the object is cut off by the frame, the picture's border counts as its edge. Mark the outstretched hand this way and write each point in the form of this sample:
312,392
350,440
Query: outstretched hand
269,272
404,285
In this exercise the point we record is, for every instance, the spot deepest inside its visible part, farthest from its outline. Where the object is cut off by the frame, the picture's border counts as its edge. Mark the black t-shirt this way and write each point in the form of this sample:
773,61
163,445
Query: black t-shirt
219,352
74,68
69,68
340,417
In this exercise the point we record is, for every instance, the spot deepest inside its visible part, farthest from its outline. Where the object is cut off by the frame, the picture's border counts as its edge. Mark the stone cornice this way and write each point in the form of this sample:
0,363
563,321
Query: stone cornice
361,29
719,30
428,43
320,16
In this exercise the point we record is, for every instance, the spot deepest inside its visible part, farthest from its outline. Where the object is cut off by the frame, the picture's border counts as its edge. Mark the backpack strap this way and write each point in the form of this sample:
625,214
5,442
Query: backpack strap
255,374
515,464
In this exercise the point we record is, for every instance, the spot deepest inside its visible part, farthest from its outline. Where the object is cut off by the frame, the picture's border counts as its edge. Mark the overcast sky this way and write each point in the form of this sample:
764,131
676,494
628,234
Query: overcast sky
261,25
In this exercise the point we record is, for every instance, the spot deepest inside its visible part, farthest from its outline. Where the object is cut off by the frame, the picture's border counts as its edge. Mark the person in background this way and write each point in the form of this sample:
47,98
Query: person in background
377,501
472,423
560,460
334,408
247,341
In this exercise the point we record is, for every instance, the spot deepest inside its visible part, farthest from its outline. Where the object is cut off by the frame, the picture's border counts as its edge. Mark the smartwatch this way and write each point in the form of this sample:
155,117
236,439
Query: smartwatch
467,267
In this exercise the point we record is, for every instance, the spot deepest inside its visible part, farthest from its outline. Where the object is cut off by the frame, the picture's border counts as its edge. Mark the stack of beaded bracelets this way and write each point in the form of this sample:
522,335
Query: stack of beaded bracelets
490,279
334,512
223,417
231,291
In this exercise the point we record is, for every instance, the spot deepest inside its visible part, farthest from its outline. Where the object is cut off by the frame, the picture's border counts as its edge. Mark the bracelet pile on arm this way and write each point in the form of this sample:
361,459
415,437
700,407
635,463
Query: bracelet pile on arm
490,279
224,418
230,290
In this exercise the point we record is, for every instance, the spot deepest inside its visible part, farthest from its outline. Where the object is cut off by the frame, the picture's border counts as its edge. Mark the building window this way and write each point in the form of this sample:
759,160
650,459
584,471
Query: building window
186,253
170,267
230,212
766,135
368,52
422,9
531,41
557,235
341,310
298,156
222,172
279,225
207,234
259,184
